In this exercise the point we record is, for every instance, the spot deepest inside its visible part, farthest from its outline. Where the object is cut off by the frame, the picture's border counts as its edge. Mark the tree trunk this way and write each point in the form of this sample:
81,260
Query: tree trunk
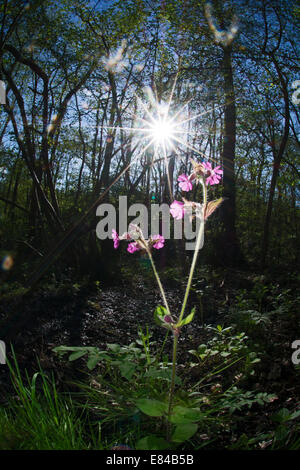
276,165
231,254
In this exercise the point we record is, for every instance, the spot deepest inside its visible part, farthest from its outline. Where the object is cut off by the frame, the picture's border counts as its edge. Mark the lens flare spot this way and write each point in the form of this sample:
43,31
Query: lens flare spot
7,263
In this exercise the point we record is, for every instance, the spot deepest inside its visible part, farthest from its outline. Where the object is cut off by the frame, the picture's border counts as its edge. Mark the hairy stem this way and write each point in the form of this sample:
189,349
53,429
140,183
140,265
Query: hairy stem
194,261
159,282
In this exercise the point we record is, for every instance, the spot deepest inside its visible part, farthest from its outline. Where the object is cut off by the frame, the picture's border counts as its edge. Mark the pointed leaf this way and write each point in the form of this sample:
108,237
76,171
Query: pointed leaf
77,355
187,319
183,432
127,370
93,361
181,414
212,206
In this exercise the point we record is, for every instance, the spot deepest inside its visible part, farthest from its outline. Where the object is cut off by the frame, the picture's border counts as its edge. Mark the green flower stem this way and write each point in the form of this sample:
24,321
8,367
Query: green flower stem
159,282
186,295
198,241
172,386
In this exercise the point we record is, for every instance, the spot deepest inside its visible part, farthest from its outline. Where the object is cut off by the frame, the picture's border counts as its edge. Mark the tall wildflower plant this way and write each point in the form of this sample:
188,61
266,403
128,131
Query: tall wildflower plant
203,174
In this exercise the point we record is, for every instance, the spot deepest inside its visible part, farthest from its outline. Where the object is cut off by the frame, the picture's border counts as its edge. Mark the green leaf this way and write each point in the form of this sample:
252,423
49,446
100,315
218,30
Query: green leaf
187,319
159,314
127,370
114,347
93,361
64,349
152,407
152,443
183,432
295,415
77,354
281,416
281,433
181,414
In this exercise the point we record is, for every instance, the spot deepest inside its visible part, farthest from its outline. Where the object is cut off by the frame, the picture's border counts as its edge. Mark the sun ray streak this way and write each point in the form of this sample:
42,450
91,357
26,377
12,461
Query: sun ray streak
189,147
195,117
168,131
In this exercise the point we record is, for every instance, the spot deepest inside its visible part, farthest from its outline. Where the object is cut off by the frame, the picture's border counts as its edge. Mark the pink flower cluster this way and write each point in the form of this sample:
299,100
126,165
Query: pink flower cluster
212,175
155,241
200,170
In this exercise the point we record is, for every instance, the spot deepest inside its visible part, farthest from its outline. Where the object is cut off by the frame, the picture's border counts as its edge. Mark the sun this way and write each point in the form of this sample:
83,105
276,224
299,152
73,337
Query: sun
157,125
162,130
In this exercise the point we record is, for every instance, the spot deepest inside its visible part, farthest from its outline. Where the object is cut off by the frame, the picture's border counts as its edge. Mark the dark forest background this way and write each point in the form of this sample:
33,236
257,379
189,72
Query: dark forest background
74,68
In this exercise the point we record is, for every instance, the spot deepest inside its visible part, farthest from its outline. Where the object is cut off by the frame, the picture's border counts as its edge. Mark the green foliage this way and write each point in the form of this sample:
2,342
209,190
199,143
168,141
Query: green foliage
39,418
234,399
144,400
225,350
287,433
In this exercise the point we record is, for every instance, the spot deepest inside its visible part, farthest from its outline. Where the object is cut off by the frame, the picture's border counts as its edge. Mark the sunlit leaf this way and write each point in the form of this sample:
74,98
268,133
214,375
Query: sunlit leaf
212,206
187,319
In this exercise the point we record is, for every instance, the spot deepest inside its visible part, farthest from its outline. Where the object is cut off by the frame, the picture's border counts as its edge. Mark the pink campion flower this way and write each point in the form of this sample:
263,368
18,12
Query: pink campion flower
159,243
185,183
115,238
213,175
125,236
177,210
132,247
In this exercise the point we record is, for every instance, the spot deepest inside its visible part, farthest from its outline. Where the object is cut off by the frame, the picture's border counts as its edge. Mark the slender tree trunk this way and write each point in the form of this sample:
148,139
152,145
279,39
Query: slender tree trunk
230,245
276,164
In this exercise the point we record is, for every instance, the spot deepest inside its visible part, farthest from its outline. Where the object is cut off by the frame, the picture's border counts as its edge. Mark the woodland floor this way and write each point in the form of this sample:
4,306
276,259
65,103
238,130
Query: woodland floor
77,315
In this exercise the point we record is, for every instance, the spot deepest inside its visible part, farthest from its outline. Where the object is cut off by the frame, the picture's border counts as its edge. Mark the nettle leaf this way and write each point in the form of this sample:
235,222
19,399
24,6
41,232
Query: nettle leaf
183,432
152,443
152,407
187,319
212,206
